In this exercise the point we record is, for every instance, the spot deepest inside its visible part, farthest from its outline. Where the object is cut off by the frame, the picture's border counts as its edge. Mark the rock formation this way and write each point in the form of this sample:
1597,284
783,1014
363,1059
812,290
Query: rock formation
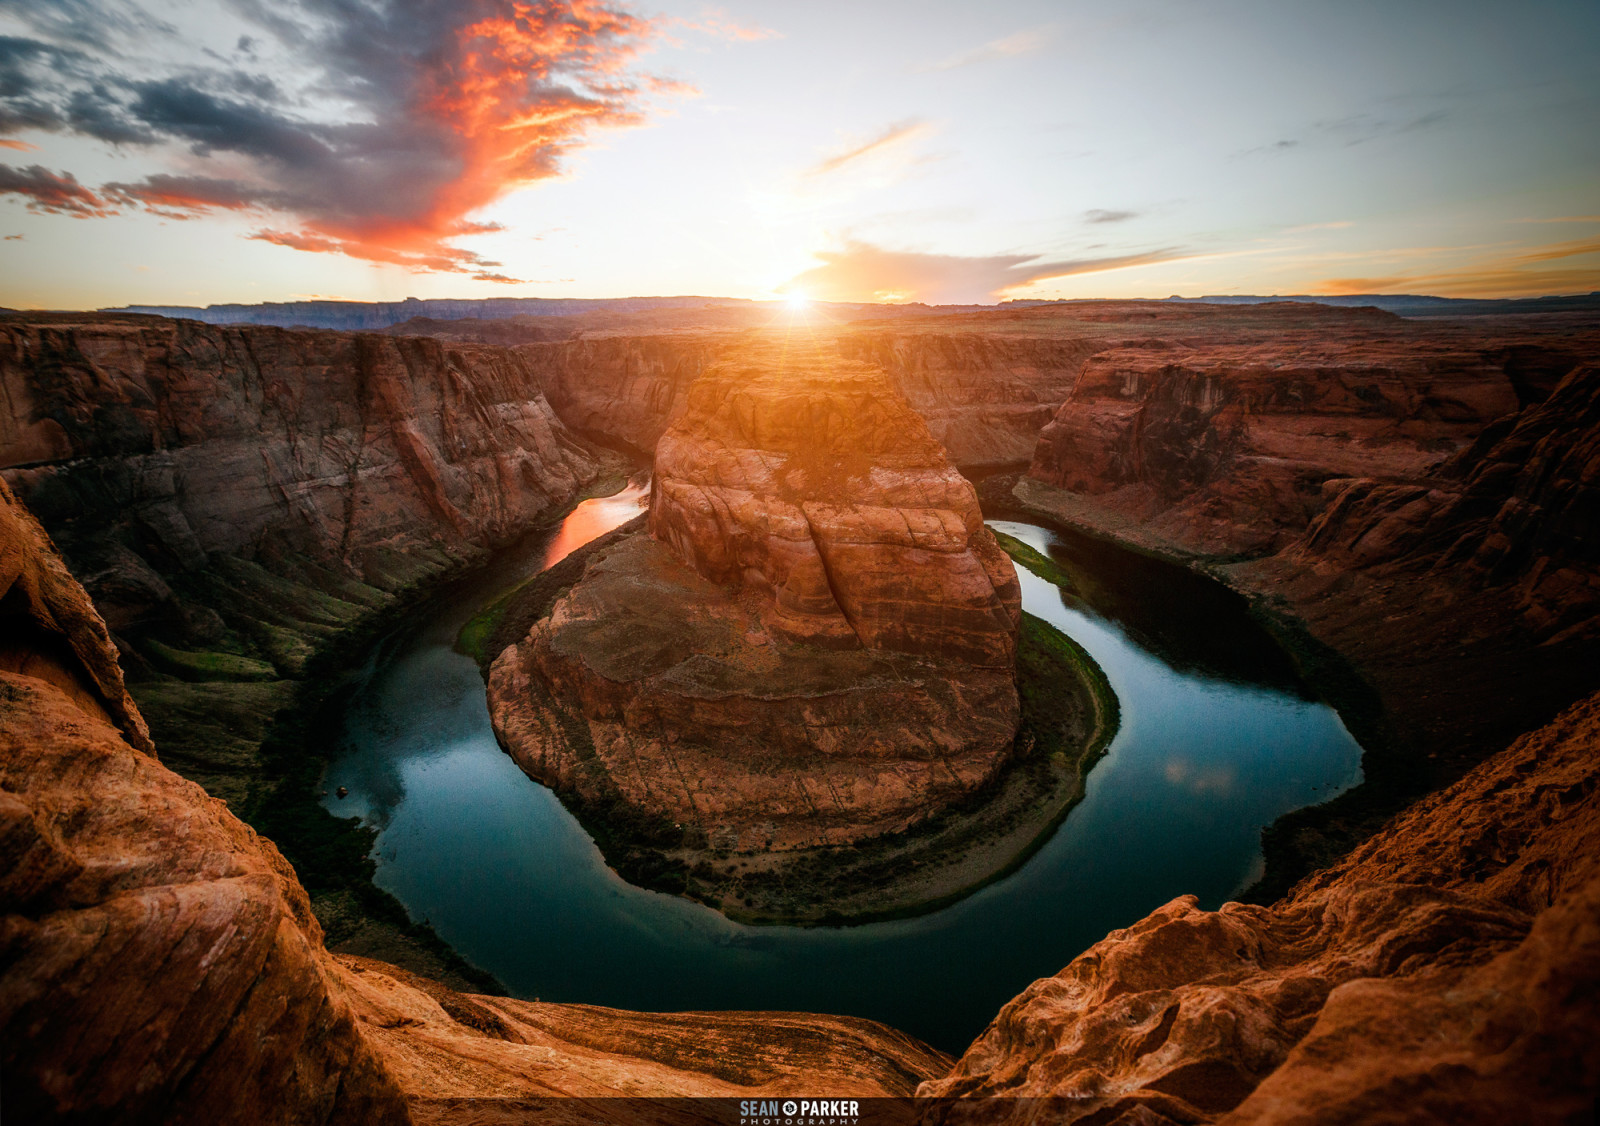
161,961
984,395
1444,971
1224,449
815,647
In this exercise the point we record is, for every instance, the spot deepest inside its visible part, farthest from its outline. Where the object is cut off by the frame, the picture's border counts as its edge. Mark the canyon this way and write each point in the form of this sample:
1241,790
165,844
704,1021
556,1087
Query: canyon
1411,507
813,646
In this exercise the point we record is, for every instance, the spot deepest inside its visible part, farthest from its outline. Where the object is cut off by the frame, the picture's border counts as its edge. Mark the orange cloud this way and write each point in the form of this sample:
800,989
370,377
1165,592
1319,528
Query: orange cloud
899,131
1512,275
451,107
53,193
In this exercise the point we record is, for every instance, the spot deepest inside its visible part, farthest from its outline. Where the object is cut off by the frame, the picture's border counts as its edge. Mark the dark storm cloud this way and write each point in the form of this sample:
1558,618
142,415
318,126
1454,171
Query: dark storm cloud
398,119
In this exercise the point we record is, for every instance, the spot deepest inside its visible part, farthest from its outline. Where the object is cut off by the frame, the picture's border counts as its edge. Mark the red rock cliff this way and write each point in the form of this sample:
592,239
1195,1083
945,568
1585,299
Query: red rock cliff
1447,971
806,475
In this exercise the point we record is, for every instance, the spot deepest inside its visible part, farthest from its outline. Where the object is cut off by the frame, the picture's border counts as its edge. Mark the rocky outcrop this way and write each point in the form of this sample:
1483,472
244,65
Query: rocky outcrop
985,396
806,476
159,961
815,648
201,440
1445,971
1519,509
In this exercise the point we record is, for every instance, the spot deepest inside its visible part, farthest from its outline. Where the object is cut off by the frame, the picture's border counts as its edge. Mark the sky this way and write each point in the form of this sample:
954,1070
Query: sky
180,152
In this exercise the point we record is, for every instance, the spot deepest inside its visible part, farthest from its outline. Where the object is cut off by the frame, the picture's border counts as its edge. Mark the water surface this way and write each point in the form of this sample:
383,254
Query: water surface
1218,739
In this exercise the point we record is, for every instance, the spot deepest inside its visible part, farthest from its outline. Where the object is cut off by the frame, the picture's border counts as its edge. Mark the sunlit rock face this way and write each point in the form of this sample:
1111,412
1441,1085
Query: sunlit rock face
809,476
815,646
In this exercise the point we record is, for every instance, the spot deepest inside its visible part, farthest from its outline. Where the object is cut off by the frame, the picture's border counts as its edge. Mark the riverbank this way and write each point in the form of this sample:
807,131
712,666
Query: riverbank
262,744
1430,679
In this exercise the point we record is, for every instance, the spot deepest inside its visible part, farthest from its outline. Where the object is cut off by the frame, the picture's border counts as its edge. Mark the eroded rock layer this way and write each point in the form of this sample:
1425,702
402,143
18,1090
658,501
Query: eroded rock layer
816,646
1447,970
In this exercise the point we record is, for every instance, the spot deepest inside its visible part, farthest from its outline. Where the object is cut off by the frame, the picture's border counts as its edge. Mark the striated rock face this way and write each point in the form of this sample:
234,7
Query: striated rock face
1224,449
984,396
811,478
159,961
209,439
452,1051
1447,970
817,648
1519,509
623,388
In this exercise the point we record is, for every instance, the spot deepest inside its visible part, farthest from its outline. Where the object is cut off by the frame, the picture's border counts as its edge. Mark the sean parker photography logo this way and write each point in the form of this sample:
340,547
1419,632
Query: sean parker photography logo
798,1112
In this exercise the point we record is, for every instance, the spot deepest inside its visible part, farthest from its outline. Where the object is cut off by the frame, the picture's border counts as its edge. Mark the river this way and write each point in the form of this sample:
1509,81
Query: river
1218,739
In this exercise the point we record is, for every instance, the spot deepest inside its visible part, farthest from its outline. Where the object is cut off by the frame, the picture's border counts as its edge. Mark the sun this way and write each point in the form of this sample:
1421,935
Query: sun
797,302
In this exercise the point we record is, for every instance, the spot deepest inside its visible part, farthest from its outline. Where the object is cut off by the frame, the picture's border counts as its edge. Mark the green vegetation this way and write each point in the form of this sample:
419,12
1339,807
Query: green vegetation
191,665
1036,561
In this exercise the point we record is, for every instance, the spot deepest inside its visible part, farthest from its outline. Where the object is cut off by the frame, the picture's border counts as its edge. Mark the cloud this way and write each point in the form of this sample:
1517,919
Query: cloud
715,22
1520,274
1354,129
1021,43
1098,215
55,193
894,135
863,272
389,125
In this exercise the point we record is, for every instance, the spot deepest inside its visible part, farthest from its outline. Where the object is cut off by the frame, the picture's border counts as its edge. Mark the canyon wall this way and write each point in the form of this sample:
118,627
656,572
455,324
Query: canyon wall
1224,449
984,396
159,961
623,388
241,501
1444,971
197,440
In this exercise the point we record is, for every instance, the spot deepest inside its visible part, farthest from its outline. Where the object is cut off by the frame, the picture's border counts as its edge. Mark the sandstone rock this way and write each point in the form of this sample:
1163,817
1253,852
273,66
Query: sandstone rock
160,960
807,475
628,388
985,396
1446,970
190,440
816,649
1224,448
452,1051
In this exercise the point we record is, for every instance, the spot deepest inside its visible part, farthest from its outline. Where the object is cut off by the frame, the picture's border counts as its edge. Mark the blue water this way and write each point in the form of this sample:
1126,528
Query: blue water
1217,740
